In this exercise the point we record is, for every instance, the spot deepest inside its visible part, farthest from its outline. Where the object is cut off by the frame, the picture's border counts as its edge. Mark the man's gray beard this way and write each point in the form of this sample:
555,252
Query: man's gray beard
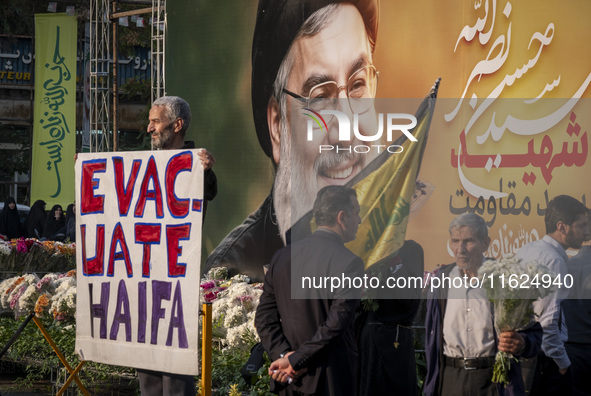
291,176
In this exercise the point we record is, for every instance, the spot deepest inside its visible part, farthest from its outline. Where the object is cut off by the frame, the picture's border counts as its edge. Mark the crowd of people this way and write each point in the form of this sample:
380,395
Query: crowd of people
318,347
54,225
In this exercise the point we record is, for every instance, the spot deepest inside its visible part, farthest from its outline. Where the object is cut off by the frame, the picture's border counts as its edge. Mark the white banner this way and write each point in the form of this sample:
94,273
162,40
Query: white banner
138,217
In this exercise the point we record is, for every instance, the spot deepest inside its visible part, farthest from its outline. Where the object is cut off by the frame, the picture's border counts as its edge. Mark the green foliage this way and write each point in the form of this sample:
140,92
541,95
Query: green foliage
34,353
131,36
421,362
136,88
226,375
16,17
140,142
261,387
226,365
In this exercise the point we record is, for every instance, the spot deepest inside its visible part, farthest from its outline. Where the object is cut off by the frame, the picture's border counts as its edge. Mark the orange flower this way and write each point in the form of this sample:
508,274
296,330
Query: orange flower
49,246
58,315
15,284
41,304
71,273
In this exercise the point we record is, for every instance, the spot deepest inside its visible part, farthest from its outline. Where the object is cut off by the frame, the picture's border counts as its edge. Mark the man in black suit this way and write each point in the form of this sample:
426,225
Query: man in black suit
305,315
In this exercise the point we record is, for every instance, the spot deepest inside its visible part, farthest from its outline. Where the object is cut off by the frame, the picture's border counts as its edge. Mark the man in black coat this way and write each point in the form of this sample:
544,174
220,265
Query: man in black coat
169,120
305,315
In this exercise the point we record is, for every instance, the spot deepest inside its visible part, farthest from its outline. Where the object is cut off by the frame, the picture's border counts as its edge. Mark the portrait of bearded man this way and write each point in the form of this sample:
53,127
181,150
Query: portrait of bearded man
306,55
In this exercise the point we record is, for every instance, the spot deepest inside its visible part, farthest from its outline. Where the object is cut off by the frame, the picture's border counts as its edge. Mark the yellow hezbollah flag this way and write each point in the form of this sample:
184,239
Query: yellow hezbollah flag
54,127
386,193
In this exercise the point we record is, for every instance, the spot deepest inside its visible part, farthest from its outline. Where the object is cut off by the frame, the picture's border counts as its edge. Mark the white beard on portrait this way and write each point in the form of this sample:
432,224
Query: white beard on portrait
296,182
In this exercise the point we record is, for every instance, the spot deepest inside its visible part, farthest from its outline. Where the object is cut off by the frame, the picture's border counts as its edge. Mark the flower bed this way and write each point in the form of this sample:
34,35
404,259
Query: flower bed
52,296
42,278
31,255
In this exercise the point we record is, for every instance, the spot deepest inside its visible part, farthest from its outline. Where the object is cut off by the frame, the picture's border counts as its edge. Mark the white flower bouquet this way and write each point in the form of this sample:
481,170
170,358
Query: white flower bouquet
234,306
512,287
18,293
54,295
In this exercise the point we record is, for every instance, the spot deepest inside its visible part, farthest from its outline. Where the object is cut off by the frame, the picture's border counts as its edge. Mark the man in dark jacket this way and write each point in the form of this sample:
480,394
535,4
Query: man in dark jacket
461,342
307,330
169,120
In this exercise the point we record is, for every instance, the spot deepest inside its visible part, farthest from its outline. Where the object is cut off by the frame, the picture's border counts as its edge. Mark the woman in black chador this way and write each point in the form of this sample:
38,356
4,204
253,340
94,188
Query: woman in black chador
55,223
71,223
386,341
10,224
36,220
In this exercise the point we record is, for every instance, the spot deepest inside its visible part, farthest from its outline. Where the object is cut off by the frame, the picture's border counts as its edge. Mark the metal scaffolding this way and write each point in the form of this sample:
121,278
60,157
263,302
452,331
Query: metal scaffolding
103,94
158,48
99,76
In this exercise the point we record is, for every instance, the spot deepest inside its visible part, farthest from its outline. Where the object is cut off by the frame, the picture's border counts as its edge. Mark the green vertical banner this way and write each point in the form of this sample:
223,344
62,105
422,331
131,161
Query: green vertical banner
54,125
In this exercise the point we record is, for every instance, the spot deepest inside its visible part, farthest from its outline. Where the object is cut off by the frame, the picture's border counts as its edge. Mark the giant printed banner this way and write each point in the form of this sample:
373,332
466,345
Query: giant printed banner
139,217
54,127
509,132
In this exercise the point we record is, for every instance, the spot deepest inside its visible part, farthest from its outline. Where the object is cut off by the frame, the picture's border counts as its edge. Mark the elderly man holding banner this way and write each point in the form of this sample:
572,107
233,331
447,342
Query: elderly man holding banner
169,120
139,225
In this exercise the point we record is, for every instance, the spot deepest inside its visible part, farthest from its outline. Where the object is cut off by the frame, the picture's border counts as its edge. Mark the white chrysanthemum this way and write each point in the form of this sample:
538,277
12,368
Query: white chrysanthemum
234,316
5,284
16,291
62,285
233,312
47,283
238,290
63,302
240,278
28,299
217,273
242,336
4,287
5,248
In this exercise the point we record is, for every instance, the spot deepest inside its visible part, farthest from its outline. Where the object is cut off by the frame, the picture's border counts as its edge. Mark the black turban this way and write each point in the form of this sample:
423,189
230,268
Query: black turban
278,22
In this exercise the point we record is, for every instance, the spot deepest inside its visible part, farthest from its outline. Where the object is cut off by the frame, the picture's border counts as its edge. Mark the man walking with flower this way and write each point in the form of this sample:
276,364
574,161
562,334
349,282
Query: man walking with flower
567,226
461,342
